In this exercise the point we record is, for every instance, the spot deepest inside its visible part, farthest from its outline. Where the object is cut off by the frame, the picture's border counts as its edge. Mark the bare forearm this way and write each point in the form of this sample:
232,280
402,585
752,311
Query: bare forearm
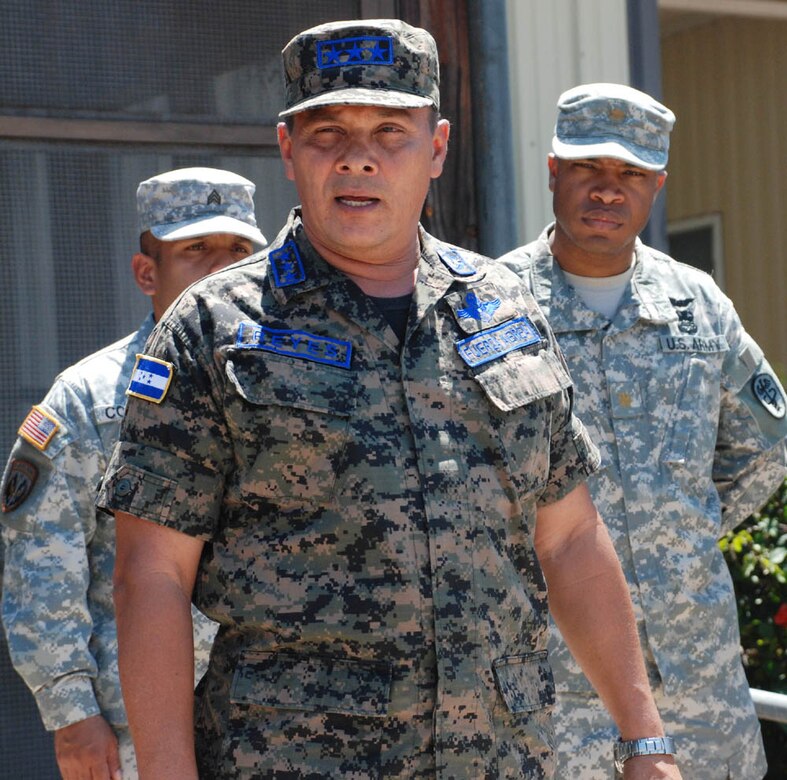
157,675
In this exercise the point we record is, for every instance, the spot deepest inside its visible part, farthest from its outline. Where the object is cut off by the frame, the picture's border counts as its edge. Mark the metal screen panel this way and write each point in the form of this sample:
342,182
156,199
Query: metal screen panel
68,222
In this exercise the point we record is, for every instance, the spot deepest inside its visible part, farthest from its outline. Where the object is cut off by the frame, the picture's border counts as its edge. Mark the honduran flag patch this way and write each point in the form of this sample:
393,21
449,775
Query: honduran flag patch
150,379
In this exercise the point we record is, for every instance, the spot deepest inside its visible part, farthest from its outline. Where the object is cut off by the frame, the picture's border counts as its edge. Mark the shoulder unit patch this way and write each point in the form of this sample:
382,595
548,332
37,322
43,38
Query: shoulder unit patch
767,391
150,379
19,483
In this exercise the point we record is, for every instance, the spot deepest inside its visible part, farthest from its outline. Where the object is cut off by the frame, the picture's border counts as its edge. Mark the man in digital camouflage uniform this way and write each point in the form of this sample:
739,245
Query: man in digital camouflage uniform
57,586
689,419
341,459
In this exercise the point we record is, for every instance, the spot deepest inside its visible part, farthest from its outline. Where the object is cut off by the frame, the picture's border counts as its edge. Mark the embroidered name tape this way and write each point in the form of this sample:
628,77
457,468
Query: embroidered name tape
295,343
286,265
494,343
369,50
150,379
768,393
38,428
702,344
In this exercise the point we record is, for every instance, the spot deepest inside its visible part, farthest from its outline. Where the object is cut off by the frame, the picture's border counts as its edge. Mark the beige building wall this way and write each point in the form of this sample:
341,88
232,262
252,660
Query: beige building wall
726,80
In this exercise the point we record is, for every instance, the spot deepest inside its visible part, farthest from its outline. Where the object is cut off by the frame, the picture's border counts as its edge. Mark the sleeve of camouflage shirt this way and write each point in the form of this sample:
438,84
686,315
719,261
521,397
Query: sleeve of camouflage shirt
751,455
184,437
46,576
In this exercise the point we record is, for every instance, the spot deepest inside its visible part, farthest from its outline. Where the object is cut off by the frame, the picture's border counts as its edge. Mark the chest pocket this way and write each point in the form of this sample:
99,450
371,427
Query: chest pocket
526,391
291,420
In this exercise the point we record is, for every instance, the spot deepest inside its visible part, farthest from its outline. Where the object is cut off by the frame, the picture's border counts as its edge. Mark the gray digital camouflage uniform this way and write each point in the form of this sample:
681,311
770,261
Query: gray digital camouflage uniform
690,422
59,551
368,514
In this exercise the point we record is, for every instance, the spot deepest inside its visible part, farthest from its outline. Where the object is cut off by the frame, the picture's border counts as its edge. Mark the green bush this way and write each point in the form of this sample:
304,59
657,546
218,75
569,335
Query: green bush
756,553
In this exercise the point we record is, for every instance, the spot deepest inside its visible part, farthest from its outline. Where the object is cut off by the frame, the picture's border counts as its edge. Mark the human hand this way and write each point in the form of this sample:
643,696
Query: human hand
88,750
658,767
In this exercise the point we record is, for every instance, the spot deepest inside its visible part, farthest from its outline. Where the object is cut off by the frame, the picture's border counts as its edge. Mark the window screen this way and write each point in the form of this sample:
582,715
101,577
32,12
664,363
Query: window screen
68,222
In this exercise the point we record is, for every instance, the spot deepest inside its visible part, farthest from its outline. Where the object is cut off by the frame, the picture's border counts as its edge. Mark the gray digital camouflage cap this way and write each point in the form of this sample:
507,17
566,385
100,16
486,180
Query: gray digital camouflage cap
192,202
613,120
367,62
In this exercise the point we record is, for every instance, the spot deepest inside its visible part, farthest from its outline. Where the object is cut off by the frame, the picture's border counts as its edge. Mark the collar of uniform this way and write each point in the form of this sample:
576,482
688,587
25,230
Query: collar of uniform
647,285
295,266
562,305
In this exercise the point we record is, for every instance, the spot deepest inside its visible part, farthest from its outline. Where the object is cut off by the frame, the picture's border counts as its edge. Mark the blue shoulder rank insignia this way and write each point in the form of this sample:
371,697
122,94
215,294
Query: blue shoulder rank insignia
19,483
150,379
348,52
295,343
38,428
494,343
458,264
767,391
286,265
478,310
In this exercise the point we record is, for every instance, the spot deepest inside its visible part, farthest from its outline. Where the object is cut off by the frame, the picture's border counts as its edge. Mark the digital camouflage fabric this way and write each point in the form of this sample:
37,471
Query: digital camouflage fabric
368,509
60,551
689,419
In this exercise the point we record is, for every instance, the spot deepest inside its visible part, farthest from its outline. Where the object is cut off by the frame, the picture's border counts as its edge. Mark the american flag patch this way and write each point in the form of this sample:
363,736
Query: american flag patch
150,379
38,428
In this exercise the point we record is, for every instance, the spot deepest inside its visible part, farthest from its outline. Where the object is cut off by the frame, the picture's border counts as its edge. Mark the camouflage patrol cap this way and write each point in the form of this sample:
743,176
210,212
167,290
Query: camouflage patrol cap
191,202
366,62
612,120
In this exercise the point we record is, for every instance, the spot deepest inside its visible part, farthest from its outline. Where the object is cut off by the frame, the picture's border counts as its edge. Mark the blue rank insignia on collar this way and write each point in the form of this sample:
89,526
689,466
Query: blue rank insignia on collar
150,379
491,344
295,343
286,265
458,264
478,310
347,52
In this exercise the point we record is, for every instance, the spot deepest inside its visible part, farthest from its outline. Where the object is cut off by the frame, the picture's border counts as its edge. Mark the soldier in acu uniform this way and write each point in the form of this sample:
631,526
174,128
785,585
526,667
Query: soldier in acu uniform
59,551
690,421
344,470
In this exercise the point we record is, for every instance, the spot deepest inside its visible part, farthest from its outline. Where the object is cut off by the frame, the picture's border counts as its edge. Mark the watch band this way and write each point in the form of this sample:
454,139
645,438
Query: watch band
647,746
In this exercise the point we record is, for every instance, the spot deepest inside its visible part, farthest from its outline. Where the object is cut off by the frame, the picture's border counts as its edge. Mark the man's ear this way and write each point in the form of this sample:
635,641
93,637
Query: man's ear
145,271
285,148
552,166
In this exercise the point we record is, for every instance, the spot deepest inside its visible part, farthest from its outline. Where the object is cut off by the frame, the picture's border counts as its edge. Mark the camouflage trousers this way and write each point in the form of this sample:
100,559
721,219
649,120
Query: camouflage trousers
715,739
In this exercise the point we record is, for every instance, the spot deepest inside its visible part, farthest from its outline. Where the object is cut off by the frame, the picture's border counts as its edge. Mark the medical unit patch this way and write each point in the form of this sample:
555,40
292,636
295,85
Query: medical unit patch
150,379
496,342
38,428
295,343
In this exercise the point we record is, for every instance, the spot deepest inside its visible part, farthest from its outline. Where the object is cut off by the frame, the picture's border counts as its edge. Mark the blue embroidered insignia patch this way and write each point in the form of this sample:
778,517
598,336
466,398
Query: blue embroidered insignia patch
19,483
494,343
286,265
347,52
150,379
38,428
767,391
295,343
458,264
478,310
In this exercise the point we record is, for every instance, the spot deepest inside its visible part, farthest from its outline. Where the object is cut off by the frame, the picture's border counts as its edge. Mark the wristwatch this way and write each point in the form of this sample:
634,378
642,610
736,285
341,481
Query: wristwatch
648,746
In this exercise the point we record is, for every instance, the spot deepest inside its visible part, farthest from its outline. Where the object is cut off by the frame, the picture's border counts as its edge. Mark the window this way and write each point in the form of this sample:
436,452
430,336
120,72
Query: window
698,242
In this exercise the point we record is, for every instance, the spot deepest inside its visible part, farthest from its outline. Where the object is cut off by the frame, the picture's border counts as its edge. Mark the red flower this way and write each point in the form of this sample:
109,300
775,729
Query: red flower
780,618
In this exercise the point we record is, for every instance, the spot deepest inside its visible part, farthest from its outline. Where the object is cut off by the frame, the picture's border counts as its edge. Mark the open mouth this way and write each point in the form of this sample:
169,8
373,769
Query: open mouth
355,202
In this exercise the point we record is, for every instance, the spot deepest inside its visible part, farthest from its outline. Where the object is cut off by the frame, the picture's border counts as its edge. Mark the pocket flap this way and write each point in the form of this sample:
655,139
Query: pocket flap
298,384
525,681
313,683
